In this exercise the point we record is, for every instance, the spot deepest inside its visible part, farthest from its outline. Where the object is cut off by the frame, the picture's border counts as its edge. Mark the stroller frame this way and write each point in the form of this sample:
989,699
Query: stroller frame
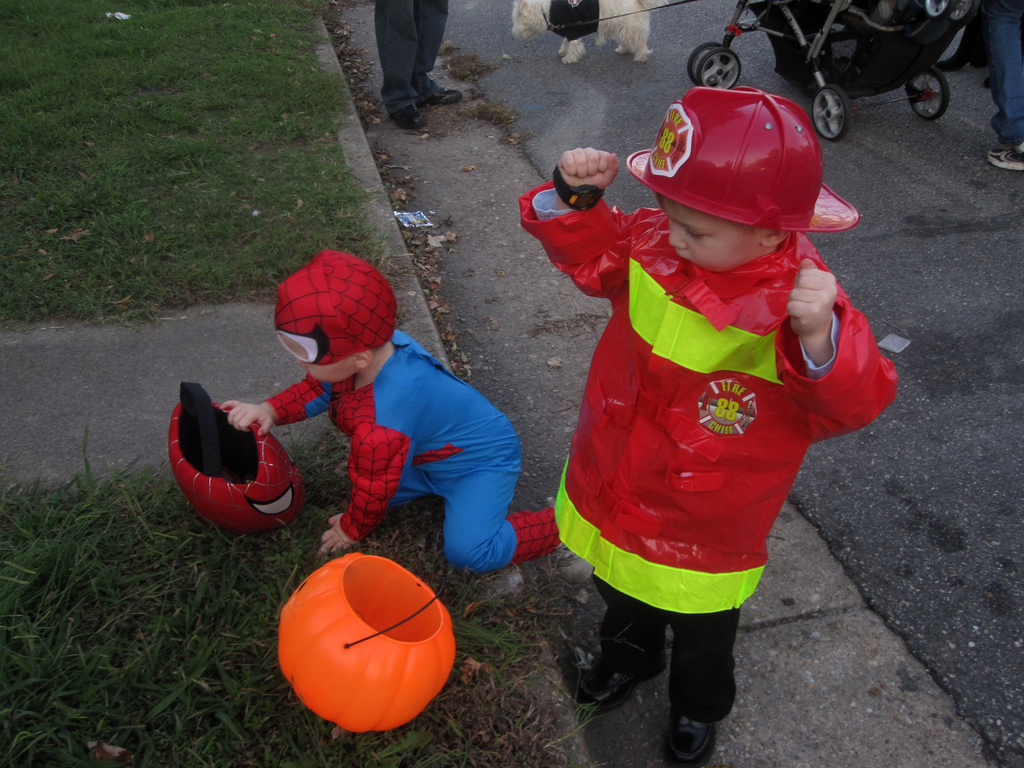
895,43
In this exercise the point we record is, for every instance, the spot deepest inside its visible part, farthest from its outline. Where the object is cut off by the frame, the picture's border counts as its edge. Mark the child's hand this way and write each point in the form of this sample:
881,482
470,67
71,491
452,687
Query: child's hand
589,166
242,415
810,310
334,538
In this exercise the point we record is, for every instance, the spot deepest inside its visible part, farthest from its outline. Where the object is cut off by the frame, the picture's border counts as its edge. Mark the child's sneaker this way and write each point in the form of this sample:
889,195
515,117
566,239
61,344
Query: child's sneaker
507,582
1010,158
569,566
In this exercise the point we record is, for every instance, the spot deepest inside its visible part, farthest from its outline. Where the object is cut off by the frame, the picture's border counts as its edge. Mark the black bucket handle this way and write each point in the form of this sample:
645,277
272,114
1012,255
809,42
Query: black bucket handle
400,623
197,404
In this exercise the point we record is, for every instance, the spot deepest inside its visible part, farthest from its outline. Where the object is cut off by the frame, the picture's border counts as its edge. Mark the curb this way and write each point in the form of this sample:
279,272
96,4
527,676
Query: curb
414,314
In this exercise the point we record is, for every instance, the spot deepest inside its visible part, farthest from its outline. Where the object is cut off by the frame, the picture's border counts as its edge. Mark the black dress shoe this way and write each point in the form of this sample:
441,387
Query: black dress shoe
609,689
689,742
408,117
442,96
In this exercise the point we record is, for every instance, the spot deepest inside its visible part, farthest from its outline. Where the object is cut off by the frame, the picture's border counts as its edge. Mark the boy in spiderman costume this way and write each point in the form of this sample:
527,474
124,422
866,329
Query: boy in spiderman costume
730,350
416,429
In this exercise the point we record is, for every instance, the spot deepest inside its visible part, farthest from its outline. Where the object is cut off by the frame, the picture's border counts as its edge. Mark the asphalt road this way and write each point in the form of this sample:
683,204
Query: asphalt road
923,508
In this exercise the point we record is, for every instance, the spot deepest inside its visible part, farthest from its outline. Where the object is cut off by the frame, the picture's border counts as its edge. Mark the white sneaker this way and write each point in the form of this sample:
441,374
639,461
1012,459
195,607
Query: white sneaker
569,566
507,582
1009,157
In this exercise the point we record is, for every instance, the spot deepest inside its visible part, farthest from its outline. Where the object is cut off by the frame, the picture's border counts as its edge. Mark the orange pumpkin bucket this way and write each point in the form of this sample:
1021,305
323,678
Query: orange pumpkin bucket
364,643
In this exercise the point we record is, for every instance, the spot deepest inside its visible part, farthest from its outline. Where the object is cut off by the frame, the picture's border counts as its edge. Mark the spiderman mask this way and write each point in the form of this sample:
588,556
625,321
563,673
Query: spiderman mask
333,307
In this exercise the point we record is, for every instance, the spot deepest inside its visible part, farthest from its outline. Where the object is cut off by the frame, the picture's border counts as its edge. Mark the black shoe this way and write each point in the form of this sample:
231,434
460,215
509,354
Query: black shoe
689,742
441,96
408,117
609,689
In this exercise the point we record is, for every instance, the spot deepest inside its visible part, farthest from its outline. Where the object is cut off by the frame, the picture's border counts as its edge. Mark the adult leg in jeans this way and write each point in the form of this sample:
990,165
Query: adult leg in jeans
1003,36
409,34
431,18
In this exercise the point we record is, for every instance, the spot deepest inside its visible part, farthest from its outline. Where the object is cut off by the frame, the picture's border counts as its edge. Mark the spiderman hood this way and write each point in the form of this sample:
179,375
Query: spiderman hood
333,307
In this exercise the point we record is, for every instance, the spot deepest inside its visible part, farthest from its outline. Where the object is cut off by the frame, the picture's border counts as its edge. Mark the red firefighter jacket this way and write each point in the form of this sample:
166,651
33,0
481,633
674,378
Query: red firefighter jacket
698,409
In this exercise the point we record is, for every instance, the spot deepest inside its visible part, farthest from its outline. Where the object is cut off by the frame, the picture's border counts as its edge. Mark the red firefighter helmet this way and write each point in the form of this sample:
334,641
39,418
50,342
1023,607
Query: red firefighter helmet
333,307
746,156
241,481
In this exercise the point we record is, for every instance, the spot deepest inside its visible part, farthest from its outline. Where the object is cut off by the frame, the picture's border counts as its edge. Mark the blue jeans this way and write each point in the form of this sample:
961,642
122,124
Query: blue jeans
409,35
1003,36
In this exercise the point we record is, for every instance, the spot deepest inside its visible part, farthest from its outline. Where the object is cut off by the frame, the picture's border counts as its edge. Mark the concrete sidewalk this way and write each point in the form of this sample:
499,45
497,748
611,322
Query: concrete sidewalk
822,681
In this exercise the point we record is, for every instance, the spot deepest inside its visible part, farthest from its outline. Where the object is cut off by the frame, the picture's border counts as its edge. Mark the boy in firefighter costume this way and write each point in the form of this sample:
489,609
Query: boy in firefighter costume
416,429
730,349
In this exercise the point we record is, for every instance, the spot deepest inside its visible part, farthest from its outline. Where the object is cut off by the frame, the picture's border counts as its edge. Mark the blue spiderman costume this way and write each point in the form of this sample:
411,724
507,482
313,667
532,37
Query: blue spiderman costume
417,431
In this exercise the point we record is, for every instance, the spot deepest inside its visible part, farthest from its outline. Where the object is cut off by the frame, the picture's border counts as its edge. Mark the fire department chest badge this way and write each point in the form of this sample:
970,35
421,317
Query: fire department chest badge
727,407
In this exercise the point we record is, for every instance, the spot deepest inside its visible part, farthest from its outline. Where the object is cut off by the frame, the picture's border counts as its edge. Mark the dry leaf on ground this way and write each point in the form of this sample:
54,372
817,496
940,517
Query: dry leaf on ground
98,750
472,669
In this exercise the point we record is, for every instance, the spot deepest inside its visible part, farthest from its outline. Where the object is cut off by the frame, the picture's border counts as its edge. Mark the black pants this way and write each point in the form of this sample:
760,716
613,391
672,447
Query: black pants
701,682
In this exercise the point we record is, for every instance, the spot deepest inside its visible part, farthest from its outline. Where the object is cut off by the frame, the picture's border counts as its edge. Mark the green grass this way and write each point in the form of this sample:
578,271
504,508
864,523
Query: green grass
187,154
125,619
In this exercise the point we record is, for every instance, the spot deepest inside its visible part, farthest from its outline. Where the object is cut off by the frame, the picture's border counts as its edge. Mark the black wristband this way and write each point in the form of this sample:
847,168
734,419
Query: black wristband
581,198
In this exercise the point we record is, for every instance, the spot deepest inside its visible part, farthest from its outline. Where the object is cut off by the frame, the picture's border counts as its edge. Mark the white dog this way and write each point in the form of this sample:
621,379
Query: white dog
625,21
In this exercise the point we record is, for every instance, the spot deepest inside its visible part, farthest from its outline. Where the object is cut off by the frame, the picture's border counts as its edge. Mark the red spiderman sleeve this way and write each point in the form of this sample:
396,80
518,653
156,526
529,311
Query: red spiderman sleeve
374,468
290,405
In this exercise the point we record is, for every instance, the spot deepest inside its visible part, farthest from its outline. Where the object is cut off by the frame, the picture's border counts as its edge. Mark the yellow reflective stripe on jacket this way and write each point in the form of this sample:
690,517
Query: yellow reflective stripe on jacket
663,586
688,339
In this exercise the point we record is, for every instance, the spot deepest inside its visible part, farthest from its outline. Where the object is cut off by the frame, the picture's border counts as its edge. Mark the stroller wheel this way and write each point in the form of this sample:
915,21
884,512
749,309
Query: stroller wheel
691,63
963,8
718,67
928,94
831,112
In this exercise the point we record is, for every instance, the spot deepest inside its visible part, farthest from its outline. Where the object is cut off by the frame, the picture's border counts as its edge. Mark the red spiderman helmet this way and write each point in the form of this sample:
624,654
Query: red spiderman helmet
746,156
241,481
333,307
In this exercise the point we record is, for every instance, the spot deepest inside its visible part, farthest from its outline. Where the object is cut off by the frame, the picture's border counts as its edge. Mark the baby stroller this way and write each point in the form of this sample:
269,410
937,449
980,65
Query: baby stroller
838,50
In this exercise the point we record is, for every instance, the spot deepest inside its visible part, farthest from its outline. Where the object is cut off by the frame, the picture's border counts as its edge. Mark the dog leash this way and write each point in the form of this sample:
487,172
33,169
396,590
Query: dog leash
556,27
